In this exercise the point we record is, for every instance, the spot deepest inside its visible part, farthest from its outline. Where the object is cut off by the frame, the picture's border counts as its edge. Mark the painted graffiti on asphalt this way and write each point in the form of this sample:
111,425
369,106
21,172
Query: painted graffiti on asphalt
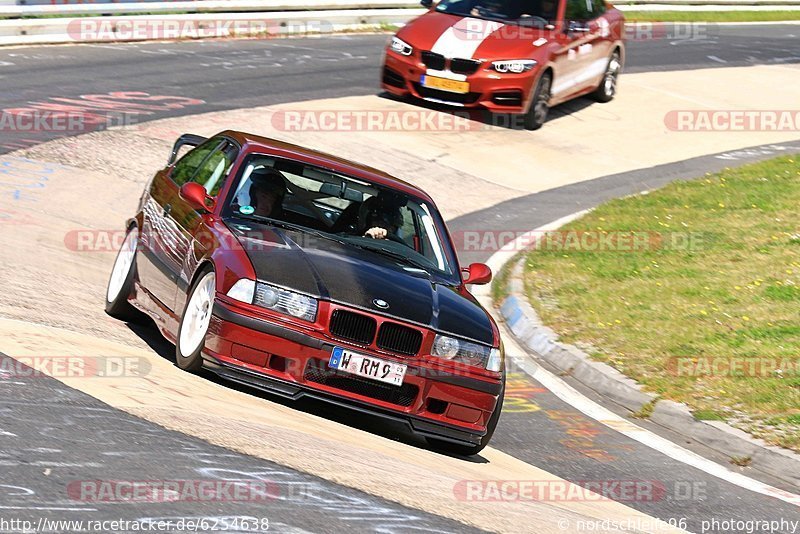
89,112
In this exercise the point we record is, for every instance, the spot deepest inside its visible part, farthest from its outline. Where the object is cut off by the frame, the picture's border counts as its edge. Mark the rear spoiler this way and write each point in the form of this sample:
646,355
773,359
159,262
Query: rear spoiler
185,140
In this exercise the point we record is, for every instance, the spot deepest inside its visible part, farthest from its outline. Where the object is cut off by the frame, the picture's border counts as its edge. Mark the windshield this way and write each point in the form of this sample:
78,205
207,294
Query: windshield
353,212
525,12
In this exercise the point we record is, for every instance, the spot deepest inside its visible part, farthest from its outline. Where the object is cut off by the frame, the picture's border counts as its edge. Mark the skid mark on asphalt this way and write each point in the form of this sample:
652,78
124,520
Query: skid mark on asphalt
82,440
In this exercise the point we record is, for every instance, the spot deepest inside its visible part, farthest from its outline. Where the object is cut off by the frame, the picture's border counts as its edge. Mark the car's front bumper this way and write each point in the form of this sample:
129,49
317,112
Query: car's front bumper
498,93
292,363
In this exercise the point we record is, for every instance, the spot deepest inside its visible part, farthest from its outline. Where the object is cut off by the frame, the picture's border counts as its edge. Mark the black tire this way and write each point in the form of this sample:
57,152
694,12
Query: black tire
467,450
540,107
607,89
191,359
116,304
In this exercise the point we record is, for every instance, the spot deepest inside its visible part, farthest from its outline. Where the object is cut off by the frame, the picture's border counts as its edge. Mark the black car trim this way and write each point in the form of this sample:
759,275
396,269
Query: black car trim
260,325
417,425
415,324
491,388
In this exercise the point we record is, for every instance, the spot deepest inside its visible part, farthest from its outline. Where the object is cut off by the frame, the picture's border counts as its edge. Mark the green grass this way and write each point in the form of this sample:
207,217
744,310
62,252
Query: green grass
500,282
708,415
710,16
718,279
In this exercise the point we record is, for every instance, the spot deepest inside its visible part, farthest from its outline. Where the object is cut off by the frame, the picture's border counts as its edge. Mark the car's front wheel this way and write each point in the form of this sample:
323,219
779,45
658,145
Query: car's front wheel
607,89
467,450
195,320
540,105
120,283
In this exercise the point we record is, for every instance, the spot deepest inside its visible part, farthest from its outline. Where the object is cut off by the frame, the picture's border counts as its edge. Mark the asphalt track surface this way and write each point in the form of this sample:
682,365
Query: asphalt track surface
47,425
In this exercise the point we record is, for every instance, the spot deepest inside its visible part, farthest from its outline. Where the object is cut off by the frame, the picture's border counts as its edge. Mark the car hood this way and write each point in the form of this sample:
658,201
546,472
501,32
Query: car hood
456,36
355,277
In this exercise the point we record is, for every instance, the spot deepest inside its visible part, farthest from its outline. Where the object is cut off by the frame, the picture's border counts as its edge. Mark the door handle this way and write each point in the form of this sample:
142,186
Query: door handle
167,210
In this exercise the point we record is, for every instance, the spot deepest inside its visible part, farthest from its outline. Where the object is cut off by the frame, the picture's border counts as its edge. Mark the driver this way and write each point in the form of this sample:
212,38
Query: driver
267,189
378,219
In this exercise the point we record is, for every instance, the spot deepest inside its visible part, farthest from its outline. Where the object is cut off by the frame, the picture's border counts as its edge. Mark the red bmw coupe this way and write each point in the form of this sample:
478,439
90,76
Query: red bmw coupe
304,274
508,56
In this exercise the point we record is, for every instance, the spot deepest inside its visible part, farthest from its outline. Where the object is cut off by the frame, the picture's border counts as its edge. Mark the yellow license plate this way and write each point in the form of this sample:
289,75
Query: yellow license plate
443,84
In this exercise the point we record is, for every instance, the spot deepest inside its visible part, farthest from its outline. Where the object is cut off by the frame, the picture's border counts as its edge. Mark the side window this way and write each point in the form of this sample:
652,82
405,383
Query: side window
579,10
215,168
208,165
187,166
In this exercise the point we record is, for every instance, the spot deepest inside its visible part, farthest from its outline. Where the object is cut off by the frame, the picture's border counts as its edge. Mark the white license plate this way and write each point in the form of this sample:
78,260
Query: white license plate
367,366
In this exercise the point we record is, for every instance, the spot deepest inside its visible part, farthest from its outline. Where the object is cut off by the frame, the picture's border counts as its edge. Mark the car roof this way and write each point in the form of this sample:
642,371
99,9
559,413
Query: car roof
254,143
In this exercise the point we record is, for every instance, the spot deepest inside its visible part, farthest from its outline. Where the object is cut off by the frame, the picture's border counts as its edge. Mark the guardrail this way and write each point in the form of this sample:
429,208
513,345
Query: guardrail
200,6
273,18
204,25
16,8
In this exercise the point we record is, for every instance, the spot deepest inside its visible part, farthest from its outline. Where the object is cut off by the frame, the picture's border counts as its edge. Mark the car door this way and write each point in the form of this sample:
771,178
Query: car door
603,40
575,58
164,241
212,174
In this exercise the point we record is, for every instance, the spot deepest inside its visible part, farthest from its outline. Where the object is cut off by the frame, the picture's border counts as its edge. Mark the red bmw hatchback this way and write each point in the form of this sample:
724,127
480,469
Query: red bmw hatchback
304,274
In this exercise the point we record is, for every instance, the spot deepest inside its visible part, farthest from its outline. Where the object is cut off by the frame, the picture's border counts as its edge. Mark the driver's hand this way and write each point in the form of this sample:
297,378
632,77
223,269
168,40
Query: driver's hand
376,232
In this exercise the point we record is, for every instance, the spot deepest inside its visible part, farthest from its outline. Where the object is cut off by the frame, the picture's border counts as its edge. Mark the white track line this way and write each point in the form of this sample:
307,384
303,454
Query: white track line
602,415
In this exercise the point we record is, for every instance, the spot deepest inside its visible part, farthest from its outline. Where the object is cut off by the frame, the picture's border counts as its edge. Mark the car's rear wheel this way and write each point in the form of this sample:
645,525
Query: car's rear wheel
607,89
467,450
540,105
120,283
195,320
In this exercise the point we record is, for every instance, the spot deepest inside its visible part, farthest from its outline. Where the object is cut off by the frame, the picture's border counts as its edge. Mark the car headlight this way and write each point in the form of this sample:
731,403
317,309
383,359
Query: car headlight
275,298
515,66
459,350
401,47
285,301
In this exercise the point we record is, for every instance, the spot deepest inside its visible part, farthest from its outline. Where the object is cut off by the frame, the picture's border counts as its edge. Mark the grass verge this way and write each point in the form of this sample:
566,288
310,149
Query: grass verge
705,309
711,16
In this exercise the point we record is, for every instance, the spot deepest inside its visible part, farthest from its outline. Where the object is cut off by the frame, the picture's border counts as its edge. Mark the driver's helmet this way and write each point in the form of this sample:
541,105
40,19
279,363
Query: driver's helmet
375,211
267,180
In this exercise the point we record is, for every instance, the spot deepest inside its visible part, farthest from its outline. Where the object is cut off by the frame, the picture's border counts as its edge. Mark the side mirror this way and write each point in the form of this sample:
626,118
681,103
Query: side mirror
477,273
426,3
195,195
